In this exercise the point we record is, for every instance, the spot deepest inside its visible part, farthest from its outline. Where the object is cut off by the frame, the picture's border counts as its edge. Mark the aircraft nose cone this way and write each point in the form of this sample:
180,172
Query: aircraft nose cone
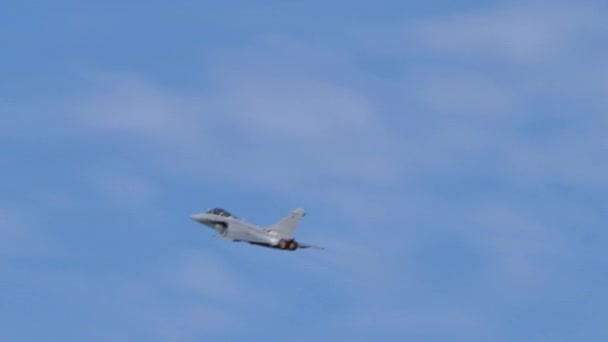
195,217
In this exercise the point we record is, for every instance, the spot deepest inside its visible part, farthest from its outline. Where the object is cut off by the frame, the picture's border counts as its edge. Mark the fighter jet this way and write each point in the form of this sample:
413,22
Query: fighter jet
278,235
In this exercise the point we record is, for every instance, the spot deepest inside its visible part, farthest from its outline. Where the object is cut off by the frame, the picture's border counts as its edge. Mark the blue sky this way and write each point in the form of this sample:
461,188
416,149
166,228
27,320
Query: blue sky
452,158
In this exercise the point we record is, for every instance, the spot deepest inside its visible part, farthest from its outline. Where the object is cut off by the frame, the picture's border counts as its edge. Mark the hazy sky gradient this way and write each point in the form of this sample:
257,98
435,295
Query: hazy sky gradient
452,158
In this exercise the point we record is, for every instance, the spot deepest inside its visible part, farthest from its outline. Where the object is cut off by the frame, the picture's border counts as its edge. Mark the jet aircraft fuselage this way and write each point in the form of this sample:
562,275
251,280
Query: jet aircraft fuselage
230,227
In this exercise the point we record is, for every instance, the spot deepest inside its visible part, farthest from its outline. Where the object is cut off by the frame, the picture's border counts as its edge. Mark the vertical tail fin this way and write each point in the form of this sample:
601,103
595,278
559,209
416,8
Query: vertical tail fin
286,226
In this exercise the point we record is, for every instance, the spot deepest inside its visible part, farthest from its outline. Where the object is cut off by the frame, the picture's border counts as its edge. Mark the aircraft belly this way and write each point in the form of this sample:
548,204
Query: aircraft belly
249,235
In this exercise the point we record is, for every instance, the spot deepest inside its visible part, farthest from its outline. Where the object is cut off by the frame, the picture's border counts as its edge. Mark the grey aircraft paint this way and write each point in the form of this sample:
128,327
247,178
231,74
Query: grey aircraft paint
278,235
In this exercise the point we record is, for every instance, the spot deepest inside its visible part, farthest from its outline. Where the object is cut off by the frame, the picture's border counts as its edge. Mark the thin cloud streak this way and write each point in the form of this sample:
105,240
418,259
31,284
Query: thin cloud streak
530,33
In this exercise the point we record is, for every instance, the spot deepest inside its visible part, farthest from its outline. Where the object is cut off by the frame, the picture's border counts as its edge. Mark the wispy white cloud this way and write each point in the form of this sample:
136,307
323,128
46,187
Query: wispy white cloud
520,33
294,126
130,107
186,297
463,96
286,134
122,188
528,124
204,276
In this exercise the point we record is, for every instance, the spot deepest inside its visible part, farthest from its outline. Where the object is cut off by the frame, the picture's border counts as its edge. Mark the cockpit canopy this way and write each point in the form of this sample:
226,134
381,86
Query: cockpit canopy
220,212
